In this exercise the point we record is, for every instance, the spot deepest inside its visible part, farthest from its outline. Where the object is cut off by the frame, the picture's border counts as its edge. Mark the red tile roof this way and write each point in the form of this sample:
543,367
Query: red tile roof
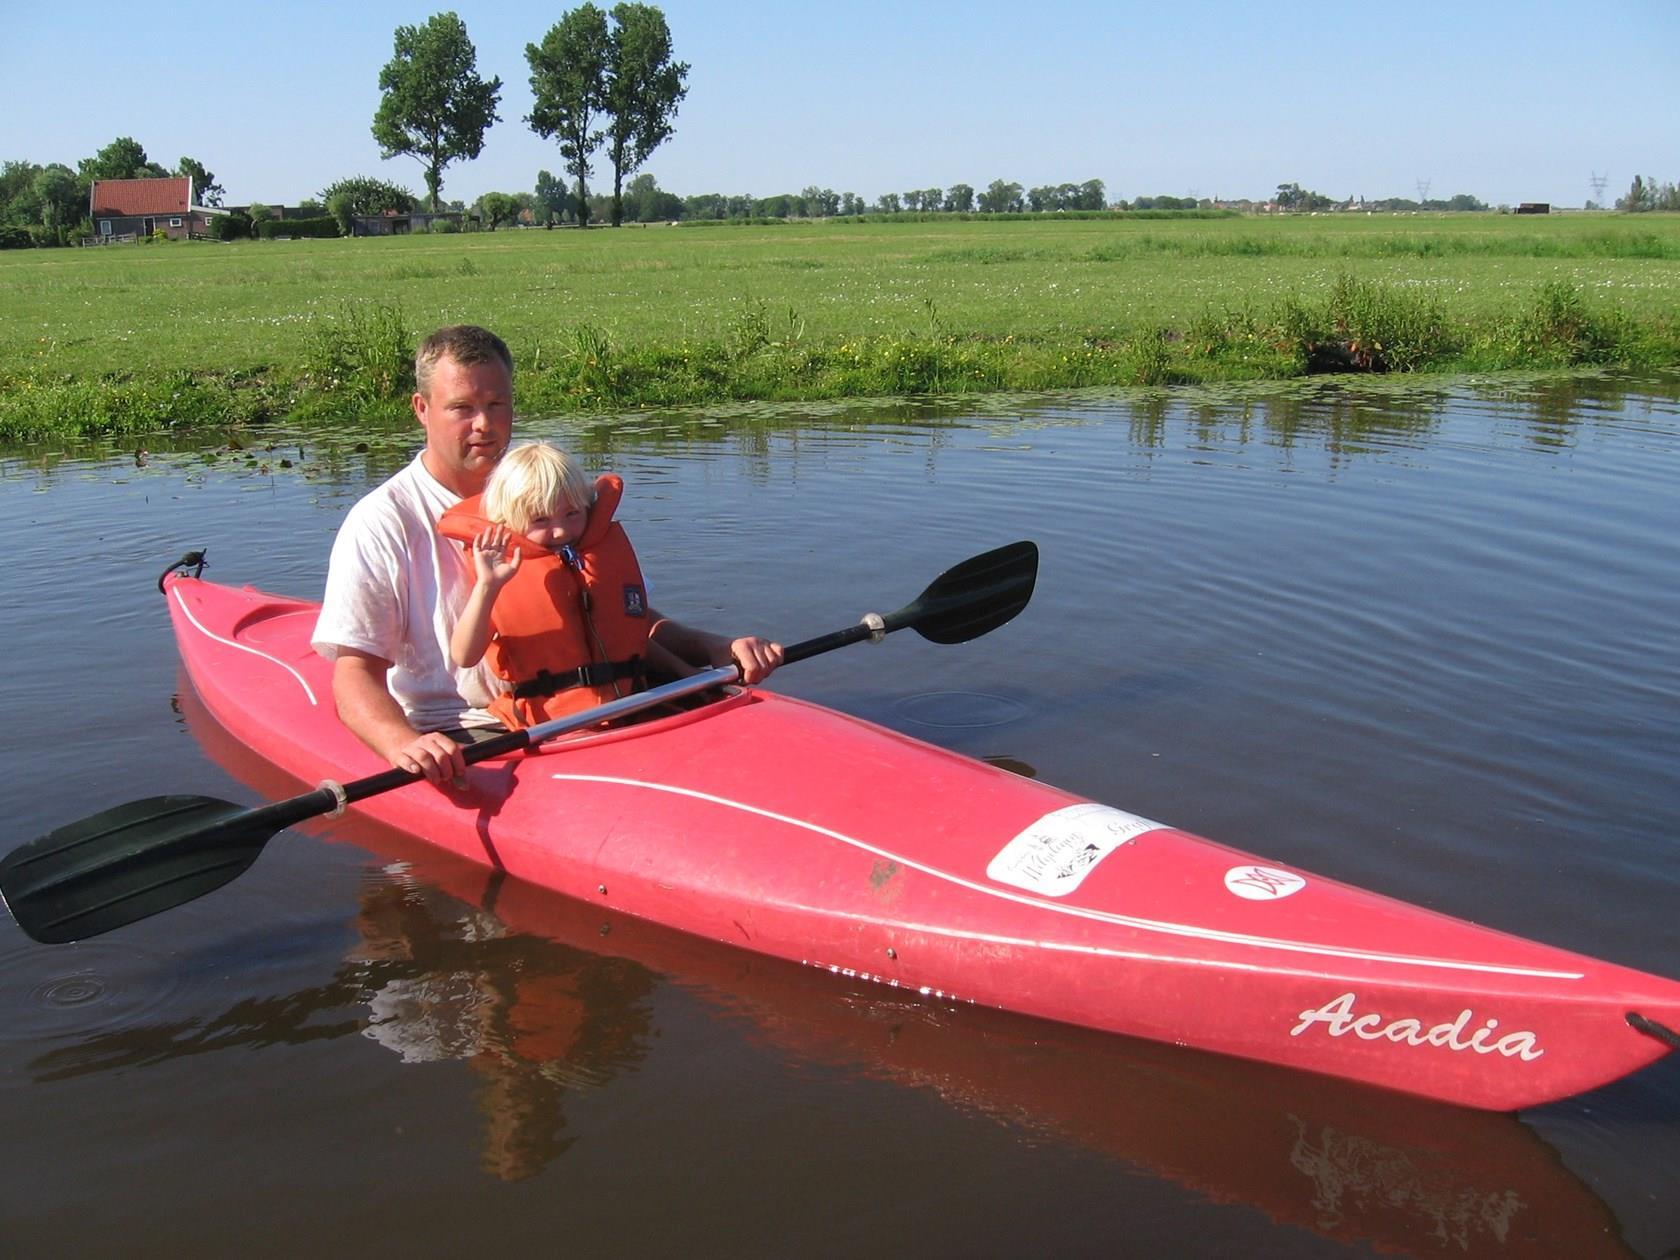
140,196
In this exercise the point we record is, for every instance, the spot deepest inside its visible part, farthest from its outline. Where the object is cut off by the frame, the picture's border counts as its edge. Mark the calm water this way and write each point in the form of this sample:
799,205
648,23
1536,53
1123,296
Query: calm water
1421,641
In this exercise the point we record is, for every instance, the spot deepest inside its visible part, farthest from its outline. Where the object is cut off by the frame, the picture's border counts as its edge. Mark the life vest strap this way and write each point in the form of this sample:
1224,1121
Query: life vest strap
596,674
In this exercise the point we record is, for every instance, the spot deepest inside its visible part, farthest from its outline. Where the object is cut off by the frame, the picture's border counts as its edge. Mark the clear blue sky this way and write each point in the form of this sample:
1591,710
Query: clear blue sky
1510,100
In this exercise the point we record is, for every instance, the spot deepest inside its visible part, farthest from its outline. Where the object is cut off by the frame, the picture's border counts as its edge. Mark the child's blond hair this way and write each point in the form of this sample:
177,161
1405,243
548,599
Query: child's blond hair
535,480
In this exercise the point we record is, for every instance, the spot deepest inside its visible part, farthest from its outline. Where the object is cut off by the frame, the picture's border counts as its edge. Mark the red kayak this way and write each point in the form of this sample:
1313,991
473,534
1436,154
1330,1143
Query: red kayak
798,832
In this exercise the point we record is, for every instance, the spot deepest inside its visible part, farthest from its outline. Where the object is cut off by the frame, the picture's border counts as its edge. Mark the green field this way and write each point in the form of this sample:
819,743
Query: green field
143,336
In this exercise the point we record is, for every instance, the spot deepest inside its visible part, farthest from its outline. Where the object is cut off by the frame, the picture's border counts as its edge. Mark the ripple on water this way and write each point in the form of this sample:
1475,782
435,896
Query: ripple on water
960,710
83,989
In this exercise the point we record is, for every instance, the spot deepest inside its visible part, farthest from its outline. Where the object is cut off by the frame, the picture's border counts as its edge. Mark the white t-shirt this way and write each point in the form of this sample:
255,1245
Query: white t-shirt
395,588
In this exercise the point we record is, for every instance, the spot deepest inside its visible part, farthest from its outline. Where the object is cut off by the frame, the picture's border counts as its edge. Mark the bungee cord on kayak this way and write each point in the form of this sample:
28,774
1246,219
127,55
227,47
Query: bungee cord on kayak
1651,1028
193,560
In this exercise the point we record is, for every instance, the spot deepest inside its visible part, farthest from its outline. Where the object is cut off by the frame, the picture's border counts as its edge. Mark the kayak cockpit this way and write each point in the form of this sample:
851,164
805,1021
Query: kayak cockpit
668,716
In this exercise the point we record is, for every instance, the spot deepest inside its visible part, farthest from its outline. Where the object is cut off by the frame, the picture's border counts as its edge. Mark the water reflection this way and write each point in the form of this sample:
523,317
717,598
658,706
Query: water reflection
1347,419
432,979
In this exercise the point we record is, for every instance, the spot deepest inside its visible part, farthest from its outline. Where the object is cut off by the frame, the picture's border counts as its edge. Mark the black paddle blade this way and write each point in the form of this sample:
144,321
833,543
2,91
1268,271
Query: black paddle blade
974,597
126,864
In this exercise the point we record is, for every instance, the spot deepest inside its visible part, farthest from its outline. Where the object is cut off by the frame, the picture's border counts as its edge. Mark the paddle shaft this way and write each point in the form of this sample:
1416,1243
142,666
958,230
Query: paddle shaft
325,799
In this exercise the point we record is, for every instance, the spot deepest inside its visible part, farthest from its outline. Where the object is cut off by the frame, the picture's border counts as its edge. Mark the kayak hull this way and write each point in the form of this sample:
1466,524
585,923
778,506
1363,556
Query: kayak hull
789,829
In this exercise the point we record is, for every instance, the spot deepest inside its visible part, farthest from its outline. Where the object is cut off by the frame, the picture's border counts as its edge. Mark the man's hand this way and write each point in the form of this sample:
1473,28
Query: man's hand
366,706
434,755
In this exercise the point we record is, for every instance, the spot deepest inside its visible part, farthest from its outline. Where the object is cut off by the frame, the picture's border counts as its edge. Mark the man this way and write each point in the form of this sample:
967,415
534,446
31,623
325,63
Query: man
395,587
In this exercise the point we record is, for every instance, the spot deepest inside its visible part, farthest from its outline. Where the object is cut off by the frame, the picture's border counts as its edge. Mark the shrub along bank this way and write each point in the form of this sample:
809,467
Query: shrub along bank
357,362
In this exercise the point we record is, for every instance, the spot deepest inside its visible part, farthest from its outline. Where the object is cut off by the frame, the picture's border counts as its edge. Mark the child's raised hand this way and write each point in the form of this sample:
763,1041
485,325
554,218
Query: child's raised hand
493,558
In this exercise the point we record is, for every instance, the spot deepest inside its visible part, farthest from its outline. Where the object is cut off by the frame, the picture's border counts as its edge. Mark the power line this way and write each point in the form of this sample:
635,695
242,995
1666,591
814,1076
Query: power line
1423,191
1598,182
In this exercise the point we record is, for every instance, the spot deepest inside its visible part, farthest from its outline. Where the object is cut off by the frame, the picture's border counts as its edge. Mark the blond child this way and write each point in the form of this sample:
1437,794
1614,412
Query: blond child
559,608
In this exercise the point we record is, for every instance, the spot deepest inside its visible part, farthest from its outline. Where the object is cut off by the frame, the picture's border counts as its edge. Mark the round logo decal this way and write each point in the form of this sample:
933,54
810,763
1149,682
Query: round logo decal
1262,883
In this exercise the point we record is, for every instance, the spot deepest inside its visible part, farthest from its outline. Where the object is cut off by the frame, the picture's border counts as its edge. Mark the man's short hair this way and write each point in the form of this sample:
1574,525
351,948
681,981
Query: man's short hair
466,344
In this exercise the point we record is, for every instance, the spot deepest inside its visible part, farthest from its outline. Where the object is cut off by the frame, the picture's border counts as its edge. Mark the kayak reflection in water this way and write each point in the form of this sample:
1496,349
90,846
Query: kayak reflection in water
438,980
532,1020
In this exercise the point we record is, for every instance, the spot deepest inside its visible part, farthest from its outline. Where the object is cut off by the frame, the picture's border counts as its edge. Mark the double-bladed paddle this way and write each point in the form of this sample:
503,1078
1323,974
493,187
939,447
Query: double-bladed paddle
139,859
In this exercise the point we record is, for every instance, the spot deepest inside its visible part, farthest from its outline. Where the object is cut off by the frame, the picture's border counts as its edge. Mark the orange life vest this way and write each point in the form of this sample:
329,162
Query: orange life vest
567,633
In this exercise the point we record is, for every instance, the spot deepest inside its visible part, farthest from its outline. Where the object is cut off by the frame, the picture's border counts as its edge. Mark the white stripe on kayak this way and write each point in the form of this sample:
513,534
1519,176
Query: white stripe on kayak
243,647
1081,912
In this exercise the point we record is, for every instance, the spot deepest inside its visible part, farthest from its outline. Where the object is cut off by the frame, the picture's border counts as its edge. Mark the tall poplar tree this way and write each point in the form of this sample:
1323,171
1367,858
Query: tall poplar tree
568,84
436,108
643,88
205,188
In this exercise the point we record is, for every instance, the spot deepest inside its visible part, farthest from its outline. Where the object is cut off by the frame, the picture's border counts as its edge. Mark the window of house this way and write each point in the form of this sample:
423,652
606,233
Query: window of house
104,227
175,222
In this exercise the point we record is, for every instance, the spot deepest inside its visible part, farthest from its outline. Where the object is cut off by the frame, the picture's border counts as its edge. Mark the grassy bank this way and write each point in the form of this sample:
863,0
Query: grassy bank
139,338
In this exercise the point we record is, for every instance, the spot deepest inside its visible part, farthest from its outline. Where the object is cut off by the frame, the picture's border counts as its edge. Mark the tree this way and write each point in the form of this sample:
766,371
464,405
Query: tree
1001,198
821,203
1294,197
552,198
19,202
59,197
436,109
496,208
960,199
207,190
1091,195
643,89
568,84
889,203
1638,197
646,202
361,195
123,158
705,206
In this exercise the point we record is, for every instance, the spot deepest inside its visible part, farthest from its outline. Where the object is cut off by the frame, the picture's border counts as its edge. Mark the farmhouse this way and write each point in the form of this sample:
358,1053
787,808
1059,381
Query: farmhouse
125,209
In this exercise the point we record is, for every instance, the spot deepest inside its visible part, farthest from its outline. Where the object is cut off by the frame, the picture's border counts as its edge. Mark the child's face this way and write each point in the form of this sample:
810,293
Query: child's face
561,525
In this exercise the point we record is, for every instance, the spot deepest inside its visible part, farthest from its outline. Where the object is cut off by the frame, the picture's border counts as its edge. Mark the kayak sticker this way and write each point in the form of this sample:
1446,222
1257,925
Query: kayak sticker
1262,883
1055,854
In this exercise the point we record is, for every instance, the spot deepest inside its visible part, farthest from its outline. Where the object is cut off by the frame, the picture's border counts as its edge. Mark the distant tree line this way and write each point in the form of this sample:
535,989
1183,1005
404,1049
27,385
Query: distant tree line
1647,194
643,201
48,205
1295,198
1460,202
